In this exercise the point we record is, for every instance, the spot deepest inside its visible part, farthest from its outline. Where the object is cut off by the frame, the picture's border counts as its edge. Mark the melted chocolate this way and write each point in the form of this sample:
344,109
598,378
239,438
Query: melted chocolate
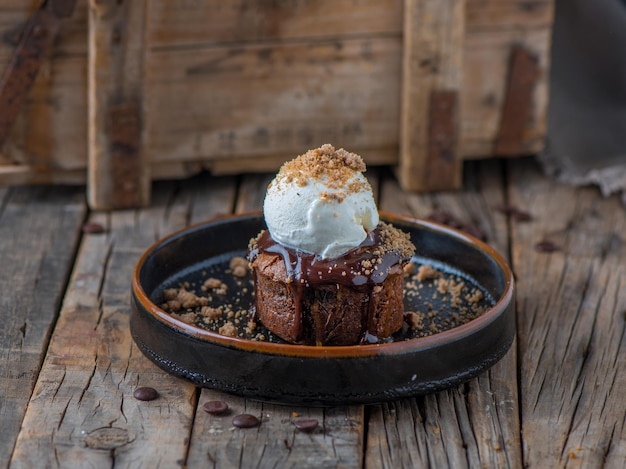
309,269
363,268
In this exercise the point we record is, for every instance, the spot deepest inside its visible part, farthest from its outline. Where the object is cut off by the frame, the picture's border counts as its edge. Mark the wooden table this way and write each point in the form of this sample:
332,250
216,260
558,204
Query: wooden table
69,367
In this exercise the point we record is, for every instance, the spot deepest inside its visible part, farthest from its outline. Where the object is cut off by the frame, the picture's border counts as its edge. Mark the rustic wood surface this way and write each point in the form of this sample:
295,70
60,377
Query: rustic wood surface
432,81
69,366
236,85
119,166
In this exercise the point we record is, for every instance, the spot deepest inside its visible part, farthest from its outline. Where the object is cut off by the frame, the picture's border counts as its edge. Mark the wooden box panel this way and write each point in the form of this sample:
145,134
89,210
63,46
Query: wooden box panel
135,91
47,142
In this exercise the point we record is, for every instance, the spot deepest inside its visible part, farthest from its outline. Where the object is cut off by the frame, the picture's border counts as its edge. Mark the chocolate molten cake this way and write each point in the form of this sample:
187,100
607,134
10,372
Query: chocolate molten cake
327,271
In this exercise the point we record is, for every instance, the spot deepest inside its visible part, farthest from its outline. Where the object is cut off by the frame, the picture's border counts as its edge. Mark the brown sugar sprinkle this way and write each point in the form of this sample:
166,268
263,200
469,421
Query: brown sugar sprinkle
179,298
336,168
395,240
409,269
228,329
427,272
475,296
465,301
414,320
239,266
210,313
215,285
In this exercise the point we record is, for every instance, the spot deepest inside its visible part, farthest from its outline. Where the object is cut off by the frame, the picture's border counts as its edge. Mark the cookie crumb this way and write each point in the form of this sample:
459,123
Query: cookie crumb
239,266
414,320
409,269
228,329
215,285
427,272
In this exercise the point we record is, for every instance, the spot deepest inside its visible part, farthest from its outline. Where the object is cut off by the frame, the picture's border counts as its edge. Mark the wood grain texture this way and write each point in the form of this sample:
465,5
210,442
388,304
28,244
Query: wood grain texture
235,86
49,133
509,14
176,24
273,99
475,424
82,408
486,58
571,323
217,22
118,163
15,13
39,231
35,45
569,355
517,106
432,81
336,442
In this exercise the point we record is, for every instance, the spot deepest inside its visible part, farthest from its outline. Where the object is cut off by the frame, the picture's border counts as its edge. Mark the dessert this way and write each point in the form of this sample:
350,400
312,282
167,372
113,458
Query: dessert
327,271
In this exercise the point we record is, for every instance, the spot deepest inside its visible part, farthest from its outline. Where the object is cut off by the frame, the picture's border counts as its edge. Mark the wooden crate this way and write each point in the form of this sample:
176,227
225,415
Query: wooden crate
138,90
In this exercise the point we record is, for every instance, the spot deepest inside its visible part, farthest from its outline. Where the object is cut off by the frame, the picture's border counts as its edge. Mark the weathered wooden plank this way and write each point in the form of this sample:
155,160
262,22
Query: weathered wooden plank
82,411
523,72
219,114
337,442
39,232
486,61
174,24
179,24
570,321
49,132
35,45
508,14
432,84
229,98
118,163
475,424
273,99
13,15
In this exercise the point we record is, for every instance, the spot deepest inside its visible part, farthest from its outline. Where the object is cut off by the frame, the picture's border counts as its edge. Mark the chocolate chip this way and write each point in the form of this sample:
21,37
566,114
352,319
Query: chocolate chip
521,216
515,213
215,407
306,425
145,393
441,217
546,246
245,421
93,228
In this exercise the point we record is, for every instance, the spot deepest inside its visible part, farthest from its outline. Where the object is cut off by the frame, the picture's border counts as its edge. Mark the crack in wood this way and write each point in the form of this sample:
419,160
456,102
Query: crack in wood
63,412
88,383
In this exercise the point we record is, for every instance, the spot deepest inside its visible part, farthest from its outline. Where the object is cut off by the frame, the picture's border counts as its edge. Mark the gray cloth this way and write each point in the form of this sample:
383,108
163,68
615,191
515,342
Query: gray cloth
587,112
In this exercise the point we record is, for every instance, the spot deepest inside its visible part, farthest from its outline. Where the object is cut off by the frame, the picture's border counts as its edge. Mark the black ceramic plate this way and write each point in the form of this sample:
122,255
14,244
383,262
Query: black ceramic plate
403,366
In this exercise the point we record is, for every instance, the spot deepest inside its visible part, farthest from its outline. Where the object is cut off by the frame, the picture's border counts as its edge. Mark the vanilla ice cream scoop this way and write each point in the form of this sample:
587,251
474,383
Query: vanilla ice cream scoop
321,203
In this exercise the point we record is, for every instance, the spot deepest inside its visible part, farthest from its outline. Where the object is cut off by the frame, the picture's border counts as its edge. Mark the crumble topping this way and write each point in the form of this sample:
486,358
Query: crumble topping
336,168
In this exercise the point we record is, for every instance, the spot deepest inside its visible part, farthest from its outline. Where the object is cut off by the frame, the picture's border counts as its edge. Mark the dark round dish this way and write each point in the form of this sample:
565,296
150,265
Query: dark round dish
319,375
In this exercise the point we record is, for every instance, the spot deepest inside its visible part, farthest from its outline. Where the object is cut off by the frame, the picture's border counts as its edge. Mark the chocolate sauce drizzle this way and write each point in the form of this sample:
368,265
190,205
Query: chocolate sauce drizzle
363,267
